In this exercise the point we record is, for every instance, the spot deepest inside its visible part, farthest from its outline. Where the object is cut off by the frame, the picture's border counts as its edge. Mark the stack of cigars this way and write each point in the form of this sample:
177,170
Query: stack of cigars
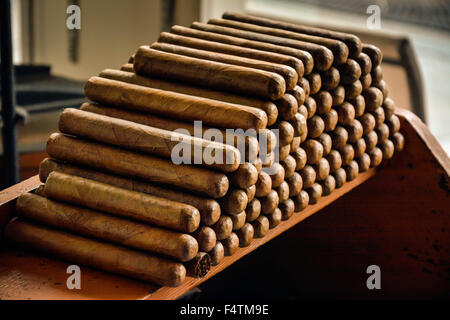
114,198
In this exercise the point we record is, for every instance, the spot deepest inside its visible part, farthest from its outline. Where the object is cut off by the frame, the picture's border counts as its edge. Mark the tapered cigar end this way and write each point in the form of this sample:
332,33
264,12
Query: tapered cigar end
199,266
191,218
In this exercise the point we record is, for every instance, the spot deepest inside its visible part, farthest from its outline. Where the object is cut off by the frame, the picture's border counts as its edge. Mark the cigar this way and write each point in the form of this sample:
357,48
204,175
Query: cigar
251,192
359,147
383,87
330,78
340,176
127,67
376,156
324,101
78,220
234,202
315,126
337,96
315,193
347,153
322,169
285,132
209,209
351,170
308,175
383,132
371,140
364,62
154,141
304,84
230,244
334,160
289,166
258,164
283,191
355,131
314,151
315,82
303,111
326,142
277,174
215,75
267,106
299,125
295,144
263,184
223,227
373,97
360,105
311,106
377,75
300,158
273,218
238,46
289,74
375,54
217,254
330,120
238,220
394,124
363,162
366,81
387,148
261,226
350,71
346,113
399,141
299,94
287,209
206,238
379,115
113,258
353,90
245,176
353,42
266,136
301,201
126,203
199,266
339,137
253,210
269,202
245,235
295,183
389,108
171,104
287,106
145,167
323,57
328,185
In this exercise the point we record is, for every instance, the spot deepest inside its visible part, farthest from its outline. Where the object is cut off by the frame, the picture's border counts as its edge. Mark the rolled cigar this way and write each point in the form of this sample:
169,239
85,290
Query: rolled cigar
355,131
274,218
351,170
123,202
277,174
299,94
295,183
40,191
263,184
199,266
387,148
223,227
340,176
283,191
337,95
241,47
394,124
363,162
368,122
206,238
346,113
287,106
339,137
382,133
364,62
210,74
209,209
326,142
330,120
238,220
128,67
115,259
171,104
269,202
300,158
376,156
261,226
366,81
146,139
285,132
251,192
253,210
371,140
258,164
289,74
322,169
314,151
360,147
268,159
299,125
304,136
289,166
245,235
234,202
328,185
324,101
373,97
353,42
350,71
323,57
217,254
330,78
245,176
334,160
315,126
304,84
301,201
360,105
145,167
95,224
295,144
267,136
375,54
230,244
347,154
377,75
399,141
389,108
130,77
353,90
315,82
383,87
379,115
308,175
315,193
311,106
287,209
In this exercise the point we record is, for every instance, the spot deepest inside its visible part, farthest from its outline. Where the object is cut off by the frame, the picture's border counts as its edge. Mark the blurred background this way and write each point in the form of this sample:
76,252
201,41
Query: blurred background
52,62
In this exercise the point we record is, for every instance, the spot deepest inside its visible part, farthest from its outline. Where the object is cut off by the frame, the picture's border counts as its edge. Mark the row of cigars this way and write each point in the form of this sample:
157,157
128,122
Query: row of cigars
114,198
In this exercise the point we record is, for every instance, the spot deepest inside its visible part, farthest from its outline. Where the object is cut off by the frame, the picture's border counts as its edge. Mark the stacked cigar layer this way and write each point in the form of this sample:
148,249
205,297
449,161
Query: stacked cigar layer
136,175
